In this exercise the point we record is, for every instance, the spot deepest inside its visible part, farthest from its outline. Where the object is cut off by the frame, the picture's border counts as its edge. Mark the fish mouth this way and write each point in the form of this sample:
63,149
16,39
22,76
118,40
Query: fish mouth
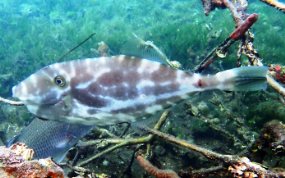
14,92
49,98
17,94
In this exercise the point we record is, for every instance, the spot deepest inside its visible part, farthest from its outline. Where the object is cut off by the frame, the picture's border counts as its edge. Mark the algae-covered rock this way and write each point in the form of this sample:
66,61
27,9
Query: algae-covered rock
16,161
266,111
269,148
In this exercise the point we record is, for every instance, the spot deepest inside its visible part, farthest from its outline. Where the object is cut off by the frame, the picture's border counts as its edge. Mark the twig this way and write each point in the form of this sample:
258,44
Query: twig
241,29
247,48
11,102
210,5
103,142
173,64
124,142
128,169
105,132
247,44
208,170
76,168
128,125
205,172
154,171
221,50
237,10
83,172
207,153
235,14
74,48
237,166
275,3
275,85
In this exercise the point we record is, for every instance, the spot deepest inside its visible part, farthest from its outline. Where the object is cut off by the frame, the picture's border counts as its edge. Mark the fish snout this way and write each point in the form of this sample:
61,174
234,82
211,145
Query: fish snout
20,91
15,91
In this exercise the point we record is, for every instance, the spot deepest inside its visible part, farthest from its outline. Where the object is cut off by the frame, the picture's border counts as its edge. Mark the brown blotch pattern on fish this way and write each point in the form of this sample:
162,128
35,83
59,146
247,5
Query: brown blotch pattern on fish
110,78
94,88
122,92
163,74
129,63
162,89
88,95
80,67
79,79
85,97
49,71
132,77
67,67
121,83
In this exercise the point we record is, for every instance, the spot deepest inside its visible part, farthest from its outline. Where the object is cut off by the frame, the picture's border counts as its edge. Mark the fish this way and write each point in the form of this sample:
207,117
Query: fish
108,90
50,138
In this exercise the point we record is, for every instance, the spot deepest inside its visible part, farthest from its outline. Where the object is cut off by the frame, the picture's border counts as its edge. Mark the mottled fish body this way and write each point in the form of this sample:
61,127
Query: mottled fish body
106,90
50,138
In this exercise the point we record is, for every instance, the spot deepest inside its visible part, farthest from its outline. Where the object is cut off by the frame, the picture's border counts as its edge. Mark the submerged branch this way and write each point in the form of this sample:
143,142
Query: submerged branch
235,13
11,102
222,49
124,142
275,85
173,64
77,46
237,10
237,166
275,3
205,152
206,172
243,23
219,51
78,169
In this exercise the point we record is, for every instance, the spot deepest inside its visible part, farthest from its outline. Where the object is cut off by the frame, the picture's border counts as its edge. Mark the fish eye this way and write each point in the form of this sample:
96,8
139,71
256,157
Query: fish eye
59,81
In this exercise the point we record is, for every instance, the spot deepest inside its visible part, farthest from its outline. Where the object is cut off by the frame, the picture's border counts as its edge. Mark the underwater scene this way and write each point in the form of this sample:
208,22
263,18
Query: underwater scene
128,88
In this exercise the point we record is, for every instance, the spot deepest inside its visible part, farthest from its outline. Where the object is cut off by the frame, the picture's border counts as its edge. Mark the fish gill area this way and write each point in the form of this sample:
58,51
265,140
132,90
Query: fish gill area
209,134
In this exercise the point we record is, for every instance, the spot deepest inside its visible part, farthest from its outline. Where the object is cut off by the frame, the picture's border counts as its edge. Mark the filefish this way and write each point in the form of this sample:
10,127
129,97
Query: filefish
108,90
50,138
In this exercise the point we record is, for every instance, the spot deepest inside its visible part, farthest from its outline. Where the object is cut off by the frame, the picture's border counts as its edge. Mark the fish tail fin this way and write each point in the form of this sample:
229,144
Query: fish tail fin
242,79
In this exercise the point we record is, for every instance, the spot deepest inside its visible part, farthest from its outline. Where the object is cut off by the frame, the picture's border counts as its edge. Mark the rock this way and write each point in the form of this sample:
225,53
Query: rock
16,161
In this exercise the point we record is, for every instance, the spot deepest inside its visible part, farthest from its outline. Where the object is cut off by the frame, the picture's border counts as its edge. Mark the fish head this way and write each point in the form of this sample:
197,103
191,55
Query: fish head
47,88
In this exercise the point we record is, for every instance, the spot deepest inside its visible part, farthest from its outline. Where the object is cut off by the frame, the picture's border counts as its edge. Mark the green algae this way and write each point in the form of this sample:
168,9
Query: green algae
44,31
266,111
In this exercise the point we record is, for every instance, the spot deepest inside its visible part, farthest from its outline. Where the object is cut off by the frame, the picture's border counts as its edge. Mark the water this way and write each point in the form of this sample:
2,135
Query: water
36,33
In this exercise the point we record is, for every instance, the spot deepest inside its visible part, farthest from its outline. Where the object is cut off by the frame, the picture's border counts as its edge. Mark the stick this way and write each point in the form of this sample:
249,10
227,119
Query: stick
74,48
212,56
275,85
240,30
11,102
238,33
124,142
173,64
207,153
223,47
236,15
237,166
275,3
